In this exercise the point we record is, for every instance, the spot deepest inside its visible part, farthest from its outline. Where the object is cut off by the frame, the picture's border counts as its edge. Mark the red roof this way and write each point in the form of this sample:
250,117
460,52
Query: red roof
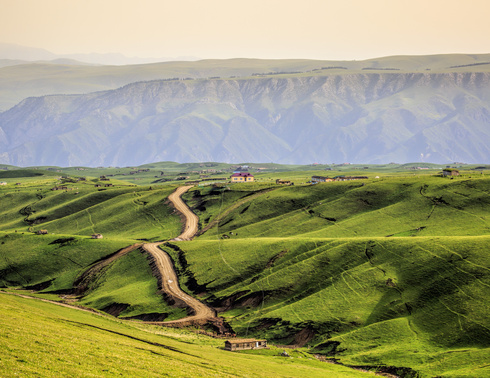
242,174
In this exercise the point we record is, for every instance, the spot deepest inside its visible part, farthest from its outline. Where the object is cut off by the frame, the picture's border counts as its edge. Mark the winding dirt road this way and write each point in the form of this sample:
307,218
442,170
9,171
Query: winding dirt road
202,313
169,281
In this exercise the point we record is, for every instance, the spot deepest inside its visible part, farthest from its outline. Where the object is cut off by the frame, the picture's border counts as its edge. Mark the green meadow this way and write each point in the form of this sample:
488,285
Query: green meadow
427,293
390,273
348,267
51,261
122,211
43,339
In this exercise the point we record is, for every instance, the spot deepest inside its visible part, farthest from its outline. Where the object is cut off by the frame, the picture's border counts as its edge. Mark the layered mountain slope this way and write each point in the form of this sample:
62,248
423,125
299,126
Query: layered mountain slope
21,79
364,117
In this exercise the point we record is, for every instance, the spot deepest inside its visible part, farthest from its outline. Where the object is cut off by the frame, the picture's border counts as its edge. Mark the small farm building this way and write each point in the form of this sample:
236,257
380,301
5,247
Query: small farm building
242,177
349,178
317,179
283,182
42,232
97,236
450,172
243,344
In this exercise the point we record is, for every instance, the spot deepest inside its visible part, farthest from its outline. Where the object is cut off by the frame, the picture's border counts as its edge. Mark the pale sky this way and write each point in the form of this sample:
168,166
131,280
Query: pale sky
314,29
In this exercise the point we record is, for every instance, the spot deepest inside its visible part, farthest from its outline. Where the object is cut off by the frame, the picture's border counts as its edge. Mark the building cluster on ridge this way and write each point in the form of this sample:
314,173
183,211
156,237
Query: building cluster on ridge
318,179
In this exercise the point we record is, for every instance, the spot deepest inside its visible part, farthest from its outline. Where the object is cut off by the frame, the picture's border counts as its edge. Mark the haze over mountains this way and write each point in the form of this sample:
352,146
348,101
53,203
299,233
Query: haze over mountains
10,51
425,108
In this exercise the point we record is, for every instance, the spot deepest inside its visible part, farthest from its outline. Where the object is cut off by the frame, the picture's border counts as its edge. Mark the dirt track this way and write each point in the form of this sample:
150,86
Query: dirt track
170,283
192,221
170,286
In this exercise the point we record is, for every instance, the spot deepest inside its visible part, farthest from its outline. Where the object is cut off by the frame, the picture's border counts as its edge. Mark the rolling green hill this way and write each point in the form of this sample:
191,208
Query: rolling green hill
405,206
350,267
121,212
389,272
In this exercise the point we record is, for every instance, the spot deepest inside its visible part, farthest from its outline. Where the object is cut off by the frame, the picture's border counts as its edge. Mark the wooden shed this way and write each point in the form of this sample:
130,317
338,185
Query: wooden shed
450,172
244,344
317,179
283,182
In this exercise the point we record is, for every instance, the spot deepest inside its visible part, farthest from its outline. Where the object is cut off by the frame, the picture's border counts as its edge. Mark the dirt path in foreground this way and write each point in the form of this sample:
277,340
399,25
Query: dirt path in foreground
170,286
191,219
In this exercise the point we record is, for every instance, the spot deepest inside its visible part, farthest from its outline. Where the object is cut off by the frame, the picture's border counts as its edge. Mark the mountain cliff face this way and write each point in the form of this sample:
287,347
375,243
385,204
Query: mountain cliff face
368,118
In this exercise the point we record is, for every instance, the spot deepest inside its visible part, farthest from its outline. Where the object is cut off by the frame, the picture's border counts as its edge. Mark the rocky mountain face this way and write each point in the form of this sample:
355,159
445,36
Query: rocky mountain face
363,117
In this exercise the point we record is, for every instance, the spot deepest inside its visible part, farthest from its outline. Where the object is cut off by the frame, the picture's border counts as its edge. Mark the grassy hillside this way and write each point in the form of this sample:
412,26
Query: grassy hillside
121,212
349,267
394,206
127,289
388,272
50,261
51,341
54,262
427,293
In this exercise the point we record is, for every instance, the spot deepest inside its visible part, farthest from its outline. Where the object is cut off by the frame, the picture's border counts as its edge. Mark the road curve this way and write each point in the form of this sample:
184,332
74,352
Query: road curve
170,286
191,219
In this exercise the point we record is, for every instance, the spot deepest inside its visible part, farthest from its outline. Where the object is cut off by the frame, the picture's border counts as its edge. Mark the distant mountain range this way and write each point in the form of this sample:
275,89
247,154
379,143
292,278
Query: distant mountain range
16,52
401,109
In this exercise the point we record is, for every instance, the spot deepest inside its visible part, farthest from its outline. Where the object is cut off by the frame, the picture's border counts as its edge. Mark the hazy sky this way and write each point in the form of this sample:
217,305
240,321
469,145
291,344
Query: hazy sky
317,29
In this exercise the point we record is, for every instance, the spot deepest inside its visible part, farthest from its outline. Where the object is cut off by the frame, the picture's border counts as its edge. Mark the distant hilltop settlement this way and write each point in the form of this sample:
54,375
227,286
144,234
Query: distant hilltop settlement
318,179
